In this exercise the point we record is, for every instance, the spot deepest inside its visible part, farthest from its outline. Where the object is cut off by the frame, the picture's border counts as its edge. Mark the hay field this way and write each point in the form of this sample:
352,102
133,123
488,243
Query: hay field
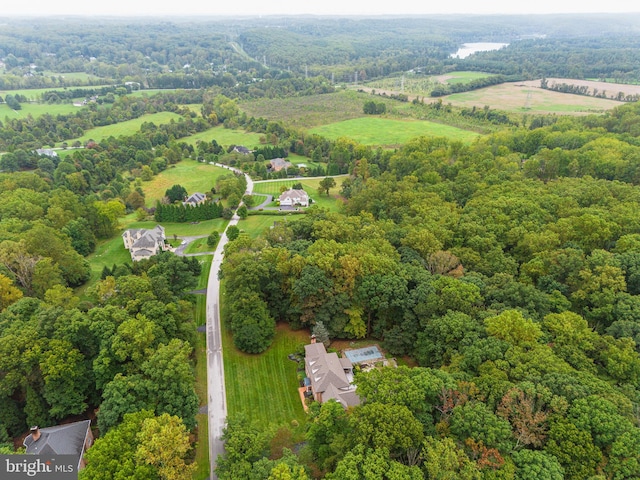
524,97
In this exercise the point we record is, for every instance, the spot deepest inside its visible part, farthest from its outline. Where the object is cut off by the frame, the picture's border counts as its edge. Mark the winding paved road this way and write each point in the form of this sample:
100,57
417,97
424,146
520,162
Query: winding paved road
217,401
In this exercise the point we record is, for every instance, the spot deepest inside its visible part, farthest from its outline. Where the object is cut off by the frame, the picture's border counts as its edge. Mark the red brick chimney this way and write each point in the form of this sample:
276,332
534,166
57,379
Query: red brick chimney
35,433
313,339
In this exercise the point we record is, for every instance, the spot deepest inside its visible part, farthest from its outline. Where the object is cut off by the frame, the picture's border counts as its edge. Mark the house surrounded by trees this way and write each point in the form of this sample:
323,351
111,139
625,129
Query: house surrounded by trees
143,243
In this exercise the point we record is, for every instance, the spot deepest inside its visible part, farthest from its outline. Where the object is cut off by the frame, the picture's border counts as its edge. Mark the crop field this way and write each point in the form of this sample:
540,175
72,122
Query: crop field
192,175
35,94
390,132
461,77
225,137
265,387
524,97
125,128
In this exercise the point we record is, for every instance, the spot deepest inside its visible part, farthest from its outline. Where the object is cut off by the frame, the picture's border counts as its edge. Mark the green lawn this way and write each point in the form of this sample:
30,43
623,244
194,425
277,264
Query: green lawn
35,94
198,246
202,444
194,176
384,131
265,386
125,128
184,229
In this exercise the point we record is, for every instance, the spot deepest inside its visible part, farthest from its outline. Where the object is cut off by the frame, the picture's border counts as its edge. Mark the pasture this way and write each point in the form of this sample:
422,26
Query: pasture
390,132
126,128
192,175
36,110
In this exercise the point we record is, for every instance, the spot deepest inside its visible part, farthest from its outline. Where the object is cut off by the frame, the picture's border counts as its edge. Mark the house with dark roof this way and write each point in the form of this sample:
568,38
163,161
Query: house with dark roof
194,199
330,377
144,243
68,439
278,164
241,149
291,198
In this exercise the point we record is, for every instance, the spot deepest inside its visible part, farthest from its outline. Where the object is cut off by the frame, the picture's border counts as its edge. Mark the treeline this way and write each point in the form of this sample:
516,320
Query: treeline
180,213
585,90
449,88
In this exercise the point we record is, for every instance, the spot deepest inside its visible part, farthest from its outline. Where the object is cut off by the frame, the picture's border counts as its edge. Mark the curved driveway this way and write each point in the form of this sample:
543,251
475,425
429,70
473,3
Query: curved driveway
217,402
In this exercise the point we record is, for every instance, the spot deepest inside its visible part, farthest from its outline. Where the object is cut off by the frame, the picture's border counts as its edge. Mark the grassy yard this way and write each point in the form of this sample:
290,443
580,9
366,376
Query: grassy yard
198,246
194,176
390,132
125,128
265,386
184,229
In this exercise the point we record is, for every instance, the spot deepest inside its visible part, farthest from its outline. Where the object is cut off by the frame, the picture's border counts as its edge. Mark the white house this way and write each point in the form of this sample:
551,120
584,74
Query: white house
292,198
143,243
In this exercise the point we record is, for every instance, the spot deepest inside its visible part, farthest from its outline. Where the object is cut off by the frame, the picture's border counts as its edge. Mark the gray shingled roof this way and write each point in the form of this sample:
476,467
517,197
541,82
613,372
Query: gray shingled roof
65,439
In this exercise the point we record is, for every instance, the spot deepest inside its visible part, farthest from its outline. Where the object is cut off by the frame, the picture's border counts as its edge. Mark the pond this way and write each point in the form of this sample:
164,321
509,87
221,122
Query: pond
468,48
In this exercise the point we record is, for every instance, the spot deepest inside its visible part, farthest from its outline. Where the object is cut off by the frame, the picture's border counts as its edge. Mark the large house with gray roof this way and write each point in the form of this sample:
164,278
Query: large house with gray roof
68,439
330,377
144,243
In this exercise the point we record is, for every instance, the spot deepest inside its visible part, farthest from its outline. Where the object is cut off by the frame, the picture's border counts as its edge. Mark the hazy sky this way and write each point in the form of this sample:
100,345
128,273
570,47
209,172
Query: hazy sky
320,7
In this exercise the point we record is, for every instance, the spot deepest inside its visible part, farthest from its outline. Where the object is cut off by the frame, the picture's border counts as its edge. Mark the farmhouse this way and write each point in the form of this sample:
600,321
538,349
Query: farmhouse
194,199
293,197
278,164
69,439
329,377
143,243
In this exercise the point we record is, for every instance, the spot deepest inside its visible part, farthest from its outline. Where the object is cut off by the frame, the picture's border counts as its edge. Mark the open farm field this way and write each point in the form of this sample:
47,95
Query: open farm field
36,110
125,128
265,387
225,137
308,111
526,98
194,176
461,77
390,132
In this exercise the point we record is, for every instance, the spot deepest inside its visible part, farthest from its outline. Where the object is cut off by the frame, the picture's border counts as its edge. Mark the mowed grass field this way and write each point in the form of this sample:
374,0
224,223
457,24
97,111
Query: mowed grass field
265,387
390,132
192,175
36,110
126,128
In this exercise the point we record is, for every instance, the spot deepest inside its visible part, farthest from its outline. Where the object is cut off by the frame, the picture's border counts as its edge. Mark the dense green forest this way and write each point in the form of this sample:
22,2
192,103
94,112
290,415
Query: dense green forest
504,272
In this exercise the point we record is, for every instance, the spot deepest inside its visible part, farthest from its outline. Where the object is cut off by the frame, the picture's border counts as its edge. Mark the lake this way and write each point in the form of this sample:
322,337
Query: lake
469,48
